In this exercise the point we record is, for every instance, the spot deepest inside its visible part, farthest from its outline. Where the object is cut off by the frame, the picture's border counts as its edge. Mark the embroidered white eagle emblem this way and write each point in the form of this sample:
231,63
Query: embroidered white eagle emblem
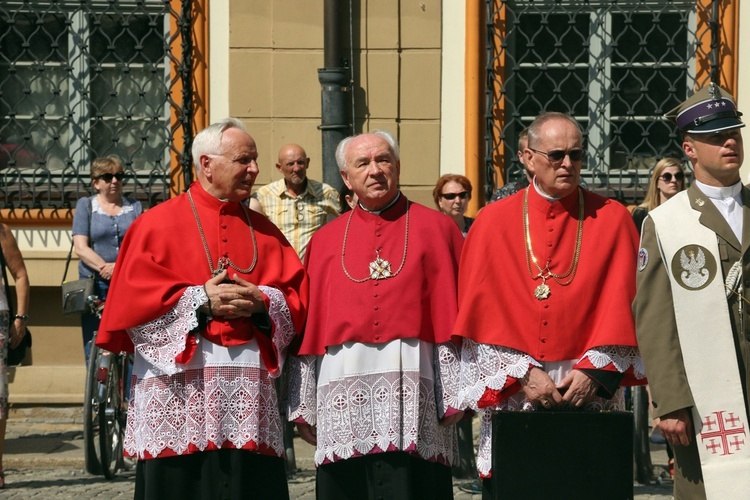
695,274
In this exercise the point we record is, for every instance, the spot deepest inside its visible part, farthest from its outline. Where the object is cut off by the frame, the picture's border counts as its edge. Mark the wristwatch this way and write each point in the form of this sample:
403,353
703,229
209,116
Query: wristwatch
22,317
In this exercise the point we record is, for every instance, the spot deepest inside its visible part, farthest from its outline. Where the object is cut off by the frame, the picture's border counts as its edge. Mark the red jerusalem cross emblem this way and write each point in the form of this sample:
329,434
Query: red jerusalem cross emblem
723,432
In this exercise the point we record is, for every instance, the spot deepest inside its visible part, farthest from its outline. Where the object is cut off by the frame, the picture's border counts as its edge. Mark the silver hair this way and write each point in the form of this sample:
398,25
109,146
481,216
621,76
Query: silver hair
208,140
535,129
344,144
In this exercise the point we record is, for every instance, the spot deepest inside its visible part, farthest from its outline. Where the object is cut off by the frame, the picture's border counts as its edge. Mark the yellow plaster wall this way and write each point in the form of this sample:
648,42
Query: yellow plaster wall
276,48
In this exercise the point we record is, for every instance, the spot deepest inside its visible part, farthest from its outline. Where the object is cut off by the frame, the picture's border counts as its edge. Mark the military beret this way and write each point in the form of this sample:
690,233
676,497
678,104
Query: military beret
711,109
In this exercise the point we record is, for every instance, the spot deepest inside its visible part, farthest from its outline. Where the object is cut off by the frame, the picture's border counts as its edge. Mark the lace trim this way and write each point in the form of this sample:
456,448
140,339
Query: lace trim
484,451
622,357
207,407
381,412
161,340
302,384
283,332
448,378
489,366
302,397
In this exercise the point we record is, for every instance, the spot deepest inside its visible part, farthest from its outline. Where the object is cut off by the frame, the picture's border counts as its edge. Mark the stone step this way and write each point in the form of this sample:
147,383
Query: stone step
46,384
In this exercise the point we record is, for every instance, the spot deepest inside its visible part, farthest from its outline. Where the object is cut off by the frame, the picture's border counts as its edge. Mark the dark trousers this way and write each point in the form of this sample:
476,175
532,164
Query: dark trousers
212,475
384,476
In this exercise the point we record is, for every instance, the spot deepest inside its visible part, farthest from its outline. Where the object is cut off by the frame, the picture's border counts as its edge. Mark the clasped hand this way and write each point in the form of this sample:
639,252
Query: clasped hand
575,390
238,299
107,270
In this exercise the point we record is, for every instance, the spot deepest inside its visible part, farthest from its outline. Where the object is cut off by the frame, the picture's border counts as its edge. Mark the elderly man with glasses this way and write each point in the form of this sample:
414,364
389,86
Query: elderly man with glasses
554,330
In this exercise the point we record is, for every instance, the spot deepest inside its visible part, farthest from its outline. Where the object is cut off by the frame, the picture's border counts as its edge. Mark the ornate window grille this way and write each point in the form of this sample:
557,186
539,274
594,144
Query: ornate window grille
82,79
616,66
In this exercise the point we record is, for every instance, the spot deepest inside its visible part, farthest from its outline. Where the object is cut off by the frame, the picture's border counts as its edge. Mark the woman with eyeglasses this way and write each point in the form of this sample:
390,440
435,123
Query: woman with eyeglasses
452,194
99,225
667,179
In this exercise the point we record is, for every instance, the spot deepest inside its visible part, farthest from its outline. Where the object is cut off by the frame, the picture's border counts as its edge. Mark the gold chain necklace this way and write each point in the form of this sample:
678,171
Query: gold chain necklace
542,291
379,269
223,262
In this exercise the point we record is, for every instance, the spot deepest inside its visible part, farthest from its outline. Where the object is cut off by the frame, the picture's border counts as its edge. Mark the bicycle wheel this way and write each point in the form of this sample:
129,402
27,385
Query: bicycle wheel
110,420
91,414
644,469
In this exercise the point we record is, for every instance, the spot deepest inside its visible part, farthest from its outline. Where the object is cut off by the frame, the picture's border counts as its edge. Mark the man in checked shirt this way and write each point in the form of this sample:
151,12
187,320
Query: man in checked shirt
297,205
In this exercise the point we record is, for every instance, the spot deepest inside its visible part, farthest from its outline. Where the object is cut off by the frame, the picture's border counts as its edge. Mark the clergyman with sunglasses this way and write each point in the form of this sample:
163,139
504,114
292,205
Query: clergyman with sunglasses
546,283
99,225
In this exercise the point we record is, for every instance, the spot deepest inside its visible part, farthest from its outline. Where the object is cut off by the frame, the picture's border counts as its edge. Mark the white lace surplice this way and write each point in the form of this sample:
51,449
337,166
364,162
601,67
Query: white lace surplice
372,398
224,395
489,366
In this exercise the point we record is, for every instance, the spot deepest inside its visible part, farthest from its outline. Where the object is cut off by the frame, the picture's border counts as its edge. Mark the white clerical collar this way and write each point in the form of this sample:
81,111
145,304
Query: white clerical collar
541,192
728,201
721,192
378,212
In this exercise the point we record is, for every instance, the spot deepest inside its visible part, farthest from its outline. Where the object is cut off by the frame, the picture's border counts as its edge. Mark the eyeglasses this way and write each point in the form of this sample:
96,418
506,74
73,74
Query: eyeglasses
667,177
108,177
558,155
452,196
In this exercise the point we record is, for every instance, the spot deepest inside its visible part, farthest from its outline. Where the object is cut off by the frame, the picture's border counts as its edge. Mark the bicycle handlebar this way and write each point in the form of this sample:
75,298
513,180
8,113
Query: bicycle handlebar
95,305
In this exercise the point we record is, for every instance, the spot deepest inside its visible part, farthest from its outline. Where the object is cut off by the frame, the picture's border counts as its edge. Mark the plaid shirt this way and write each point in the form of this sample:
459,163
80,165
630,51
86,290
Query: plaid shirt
298,218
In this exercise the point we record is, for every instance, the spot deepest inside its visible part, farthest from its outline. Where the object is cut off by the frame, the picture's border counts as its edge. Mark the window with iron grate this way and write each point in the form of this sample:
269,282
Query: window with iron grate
616,66
79,81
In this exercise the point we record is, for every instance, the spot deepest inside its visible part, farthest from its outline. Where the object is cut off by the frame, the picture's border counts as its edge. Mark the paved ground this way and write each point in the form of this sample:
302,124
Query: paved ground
44,459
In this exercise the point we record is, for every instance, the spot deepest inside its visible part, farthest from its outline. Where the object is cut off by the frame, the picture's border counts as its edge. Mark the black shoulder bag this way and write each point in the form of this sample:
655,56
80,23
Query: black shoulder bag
75,293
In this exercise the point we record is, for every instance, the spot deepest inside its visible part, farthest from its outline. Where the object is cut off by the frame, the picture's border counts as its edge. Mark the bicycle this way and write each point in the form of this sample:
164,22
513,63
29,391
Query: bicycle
105,406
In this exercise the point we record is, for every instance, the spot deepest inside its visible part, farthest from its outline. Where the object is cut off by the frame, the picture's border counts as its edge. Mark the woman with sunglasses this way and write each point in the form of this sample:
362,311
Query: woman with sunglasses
452,194
667,179
99,225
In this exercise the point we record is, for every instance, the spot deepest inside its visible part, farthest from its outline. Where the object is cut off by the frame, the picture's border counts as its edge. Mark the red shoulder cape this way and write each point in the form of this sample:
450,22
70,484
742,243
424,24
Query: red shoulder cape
496,292
419,302
162,254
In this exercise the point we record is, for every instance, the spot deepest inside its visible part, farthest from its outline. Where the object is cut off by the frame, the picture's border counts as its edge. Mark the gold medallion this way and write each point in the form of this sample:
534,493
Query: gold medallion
542,291
380,269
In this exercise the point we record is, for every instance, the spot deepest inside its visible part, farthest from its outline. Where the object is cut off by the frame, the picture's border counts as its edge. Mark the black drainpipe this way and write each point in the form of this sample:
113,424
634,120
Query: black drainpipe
334,81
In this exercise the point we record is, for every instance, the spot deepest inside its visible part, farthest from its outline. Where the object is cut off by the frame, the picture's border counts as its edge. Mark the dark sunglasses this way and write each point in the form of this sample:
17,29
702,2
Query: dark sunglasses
452,196
108,177
667,177
558,155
